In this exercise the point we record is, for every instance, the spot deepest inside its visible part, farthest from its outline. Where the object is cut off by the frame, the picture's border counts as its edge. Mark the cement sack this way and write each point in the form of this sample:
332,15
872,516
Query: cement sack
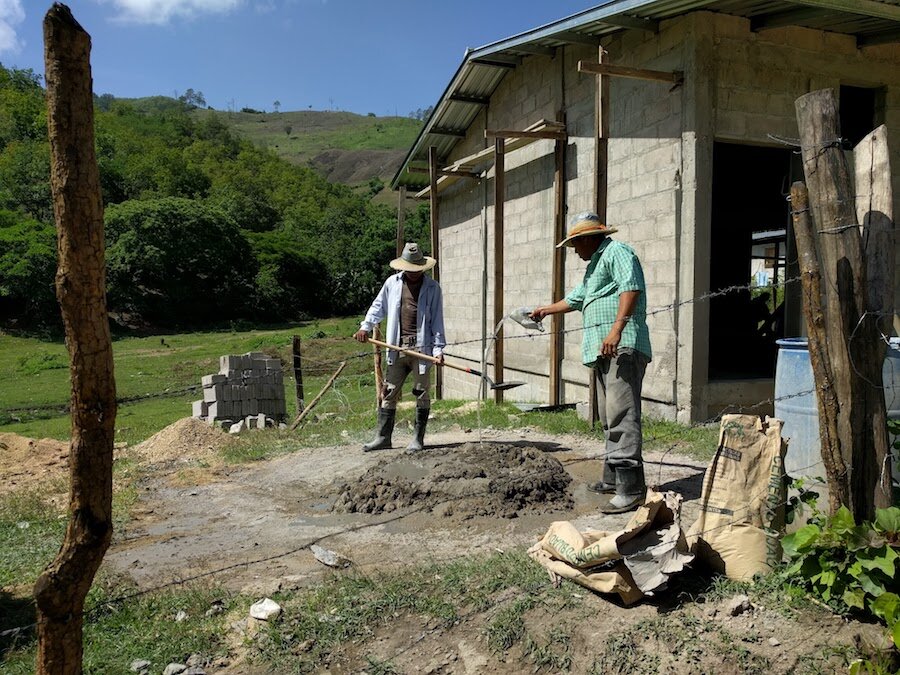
632,562
741,522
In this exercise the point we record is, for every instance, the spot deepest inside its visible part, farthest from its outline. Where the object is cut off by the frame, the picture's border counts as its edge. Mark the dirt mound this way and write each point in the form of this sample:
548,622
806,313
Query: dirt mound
188,438
26,461
492,479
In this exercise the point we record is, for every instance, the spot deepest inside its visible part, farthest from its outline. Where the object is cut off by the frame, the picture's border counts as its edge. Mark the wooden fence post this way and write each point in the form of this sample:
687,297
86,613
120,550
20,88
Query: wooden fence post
61,589
298,372
826,398
856,352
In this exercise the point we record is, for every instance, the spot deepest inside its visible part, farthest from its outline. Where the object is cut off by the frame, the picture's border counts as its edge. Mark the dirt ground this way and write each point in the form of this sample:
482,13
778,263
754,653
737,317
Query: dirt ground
250,528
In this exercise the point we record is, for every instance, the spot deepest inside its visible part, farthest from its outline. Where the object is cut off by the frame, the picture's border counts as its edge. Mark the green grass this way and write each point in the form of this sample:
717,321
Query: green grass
117,633
31,377
317,621
300,136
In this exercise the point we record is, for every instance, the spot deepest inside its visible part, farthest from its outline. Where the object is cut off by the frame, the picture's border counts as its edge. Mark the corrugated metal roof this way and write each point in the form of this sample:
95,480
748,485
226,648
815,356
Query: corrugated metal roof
482,69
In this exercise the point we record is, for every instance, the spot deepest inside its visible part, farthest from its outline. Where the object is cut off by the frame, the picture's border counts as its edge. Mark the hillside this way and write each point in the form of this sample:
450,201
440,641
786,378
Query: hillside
341,146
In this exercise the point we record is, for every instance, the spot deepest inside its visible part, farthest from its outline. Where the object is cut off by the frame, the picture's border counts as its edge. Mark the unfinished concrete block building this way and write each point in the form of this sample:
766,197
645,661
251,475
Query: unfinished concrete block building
674,119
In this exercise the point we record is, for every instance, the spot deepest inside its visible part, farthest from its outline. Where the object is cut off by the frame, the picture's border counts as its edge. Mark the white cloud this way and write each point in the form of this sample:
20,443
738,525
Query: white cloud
161,11
11,13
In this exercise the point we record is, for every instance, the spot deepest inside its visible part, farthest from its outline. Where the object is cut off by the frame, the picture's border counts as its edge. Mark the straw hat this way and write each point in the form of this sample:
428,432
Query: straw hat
413,260
584,225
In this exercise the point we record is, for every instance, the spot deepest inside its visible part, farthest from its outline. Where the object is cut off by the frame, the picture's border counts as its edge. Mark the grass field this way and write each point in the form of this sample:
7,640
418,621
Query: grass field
163,373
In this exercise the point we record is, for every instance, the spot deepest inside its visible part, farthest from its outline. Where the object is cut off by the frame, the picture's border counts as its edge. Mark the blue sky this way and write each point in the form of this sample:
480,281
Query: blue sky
382,56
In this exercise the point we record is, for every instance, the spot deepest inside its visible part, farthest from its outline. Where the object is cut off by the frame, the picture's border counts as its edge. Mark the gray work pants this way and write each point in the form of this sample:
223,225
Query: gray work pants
396,375
619,381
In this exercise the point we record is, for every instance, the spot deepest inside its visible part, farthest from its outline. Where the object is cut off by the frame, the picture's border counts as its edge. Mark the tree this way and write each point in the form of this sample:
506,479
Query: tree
193,99
176,262
27,267
276,105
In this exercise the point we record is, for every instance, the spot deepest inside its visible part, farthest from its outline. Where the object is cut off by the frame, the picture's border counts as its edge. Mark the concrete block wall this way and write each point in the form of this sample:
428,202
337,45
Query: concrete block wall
246,385
739,86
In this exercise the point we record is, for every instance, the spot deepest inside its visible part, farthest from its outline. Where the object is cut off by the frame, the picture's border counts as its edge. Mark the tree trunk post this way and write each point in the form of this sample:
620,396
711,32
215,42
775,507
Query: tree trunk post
379,377
836,470
80,287
856,352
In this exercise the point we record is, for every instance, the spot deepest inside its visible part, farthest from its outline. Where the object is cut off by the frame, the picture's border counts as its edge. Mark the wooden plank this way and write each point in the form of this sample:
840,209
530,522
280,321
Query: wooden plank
511,133
435,246
474,100
601,176
449,172
875,214
401,220
631,22
557,290
480,160
574,38
855,349
443,131
625,71
499,200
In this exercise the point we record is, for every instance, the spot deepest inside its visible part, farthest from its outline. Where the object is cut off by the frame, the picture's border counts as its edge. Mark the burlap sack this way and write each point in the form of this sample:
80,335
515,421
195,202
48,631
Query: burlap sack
632,562
738,532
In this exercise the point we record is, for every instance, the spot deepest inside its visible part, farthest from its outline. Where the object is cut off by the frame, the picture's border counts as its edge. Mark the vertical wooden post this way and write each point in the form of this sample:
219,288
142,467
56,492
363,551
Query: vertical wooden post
60,590
826,398
298,372
601,181
854,346
401,220
433,169
559,219
379,377
499,199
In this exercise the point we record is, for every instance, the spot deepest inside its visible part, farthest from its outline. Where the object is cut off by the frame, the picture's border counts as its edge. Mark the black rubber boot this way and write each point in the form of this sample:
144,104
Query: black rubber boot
607,486
418,442
631,490
382,438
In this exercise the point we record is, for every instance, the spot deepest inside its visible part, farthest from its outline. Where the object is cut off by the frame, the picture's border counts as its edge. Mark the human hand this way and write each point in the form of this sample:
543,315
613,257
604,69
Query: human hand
361,335
610,345
538,313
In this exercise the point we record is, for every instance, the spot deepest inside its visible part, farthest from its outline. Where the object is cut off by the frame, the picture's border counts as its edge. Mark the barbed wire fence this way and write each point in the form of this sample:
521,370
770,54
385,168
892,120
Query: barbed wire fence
354,380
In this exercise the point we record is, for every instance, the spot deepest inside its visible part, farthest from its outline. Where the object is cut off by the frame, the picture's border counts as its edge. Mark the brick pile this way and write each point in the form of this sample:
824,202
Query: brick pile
246,385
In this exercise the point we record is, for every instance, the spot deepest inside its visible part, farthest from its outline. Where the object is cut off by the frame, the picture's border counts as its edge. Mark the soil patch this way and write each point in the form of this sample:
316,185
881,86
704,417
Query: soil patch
488,479
25,462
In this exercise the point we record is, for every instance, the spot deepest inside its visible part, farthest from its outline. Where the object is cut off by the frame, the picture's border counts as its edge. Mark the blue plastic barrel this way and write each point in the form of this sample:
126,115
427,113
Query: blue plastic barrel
795,404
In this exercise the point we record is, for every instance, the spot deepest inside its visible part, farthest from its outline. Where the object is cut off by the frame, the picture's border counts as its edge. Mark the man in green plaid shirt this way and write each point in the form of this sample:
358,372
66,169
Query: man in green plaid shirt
616,345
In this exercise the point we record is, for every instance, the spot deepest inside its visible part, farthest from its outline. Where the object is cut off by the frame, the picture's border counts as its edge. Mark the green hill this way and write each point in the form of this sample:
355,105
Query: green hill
343,147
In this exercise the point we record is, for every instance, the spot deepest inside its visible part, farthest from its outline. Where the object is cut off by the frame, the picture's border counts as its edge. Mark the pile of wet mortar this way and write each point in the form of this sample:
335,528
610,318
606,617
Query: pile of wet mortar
488,479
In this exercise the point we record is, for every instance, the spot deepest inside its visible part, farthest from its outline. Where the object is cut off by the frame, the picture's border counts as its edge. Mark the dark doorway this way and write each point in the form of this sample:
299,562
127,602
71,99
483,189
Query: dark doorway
750,221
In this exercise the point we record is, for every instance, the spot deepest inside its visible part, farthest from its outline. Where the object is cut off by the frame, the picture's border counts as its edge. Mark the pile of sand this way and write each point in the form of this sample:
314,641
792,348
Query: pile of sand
25,462
490,479
185,440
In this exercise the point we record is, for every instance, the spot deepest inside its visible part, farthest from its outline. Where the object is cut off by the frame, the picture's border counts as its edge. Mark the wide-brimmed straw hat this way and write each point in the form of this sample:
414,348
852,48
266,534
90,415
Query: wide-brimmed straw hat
413,260
584,225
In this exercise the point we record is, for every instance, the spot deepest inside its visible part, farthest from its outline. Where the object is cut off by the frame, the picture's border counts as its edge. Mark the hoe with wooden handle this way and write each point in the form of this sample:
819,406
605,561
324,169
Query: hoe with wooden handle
471,371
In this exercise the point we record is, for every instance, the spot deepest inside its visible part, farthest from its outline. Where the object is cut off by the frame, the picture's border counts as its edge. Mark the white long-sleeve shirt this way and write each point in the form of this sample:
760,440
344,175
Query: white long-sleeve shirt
430,337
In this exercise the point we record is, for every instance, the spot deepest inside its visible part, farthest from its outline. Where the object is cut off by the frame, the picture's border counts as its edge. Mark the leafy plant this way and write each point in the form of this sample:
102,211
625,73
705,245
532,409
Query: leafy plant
851,567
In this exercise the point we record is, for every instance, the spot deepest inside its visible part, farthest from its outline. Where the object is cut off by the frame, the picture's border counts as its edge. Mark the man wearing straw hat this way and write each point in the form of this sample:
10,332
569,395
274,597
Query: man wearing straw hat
616,346
414,307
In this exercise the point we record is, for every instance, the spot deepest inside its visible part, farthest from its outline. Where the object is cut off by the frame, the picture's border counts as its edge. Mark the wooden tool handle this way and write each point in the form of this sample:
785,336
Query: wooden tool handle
426,357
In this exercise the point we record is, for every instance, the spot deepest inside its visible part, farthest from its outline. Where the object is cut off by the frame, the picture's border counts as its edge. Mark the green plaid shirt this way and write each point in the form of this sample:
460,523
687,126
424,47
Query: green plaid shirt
614,268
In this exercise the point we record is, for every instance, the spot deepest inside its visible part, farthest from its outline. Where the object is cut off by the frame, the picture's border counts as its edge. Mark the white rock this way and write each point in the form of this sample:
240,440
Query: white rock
265,610
738,605
236,428
181,616
140,666
327,557
174,669
774,641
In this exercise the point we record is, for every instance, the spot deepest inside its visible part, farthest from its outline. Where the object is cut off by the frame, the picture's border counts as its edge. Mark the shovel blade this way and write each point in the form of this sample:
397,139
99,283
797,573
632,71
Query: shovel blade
502,386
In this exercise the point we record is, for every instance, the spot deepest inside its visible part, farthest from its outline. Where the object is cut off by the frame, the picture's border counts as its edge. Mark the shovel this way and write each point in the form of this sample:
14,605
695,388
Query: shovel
419,355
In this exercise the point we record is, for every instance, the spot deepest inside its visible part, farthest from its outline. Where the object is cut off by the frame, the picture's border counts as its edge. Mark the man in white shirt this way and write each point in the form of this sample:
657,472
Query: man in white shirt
414,308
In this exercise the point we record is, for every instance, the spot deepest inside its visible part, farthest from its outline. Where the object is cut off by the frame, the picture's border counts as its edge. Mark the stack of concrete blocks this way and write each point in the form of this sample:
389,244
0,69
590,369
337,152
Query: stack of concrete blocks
248,387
